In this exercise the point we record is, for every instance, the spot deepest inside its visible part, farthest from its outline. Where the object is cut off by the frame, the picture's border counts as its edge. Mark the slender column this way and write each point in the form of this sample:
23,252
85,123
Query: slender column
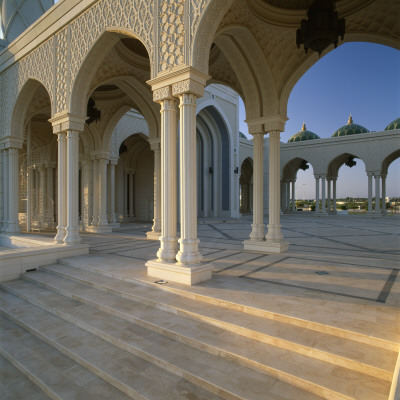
383,194
370,194
274,234
72,230
131,194
95,191
85,191
1,191
61,187
50,192
329,195
13,200
323,190
334,194
5,190
157,189
125,193
168,240
102,194
111,191
293,195
287,196
42,194
377,196
188,250
257,231
317,194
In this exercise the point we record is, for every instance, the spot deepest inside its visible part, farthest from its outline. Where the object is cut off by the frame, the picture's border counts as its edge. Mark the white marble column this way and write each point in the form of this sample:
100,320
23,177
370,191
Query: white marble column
168,238
317,194
131,179
287,196
50,191
383,194
42,195
188,242
111,191
323,190
1,191
329,206
61,186
274,236
13,199
72,230
293,195
5,190
334,194
102,192
95,191
257,228
377,195
86,172
370,211
156,228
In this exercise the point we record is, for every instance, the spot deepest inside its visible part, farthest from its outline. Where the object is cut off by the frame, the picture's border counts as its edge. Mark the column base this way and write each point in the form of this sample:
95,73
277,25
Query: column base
151,235
99,228
13,227
265,246
72,236
174,272
59,238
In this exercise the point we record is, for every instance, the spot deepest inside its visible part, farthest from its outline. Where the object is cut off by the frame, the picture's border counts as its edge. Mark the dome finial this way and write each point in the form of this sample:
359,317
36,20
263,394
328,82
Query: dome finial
303,128
350,121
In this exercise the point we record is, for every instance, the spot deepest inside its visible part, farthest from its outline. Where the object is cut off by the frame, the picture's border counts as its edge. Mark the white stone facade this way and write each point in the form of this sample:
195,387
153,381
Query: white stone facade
155,56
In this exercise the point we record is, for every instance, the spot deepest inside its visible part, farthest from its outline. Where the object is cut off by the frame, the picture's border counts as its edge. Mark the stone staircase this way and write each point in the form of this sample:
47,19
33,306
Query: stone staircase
69,332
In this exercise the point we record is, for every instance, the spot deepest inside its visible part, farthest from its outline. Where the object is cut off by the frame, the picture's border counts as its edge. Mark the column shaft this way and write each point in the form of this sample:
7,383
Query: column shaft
257,231
95,191
188,250
157,191
50,194
383,195
293,195
61,187
334,194
323,190
102,197
111,215
370,194
317,195
131,194
168,240
329,207
274,234
13,199
377,195
72,230
5,190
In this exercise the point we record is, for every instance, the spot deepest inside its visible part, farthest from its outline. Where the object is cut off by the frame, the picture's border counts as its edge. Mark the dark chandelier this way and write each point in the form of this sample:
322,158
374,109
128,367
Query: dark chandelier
322,28
92,112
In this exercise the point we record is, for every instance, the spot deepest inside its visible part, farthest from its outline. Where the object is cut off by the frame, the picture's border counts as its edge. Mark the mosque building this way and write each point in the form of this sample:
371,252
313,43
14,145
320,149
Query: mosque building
116,111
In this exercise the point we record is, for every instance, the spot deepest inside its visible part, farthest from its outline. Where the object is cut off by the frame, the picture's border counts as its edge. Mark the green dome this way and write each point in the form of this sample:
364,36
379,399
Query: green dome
304,134
350,129
242,135
393,125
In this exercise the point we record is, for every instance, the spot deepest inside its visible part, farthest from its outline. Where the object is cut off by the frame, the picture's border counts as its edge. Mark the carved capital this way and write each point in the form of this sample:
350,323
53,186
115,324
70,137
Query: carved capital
188,86
163,93
155,145
64,121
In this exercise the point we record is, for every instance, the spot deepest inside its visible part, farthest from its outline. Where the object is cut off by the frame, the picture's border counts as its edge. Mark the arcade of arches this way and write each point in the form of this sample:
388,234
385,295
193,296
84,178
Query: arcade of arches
107,117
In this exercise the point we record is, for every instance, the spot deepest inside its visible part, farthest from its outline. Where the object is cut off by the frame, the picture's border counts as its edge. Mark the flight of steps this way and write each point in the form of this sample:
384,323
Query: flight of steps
71,333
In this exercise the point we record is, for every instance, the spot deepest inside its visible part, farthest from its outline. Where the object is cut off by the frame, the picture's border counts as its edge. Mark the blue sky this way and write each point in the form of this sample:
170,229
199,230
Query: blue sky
358,78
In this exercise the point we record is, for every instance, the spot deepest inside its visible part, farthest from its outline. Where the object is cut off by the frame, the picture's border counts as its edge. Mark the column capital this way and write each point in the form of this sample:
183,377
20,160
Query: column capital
65,121
155,144
50,164
9,142
164,93
188,86
113,161
267,124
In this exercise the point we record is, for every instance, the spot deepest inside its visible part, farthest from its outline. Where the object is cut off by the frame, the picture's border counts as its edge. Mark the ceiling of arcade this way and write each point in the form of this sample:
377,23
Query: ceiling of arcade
264,32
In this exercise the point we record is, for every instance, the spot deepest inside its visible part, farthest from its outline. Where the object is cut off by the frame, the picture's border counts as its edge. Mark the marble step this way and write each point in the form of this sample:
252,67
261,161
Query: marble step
331,318
360,357
122,371
318,377
216,374
51,371
15,385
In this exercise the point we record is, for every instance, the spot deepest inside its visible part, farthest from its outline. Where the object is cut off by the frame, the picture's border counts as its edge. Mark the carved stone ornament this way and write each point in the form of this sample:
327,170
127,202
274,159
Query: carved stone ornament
162,93
188,86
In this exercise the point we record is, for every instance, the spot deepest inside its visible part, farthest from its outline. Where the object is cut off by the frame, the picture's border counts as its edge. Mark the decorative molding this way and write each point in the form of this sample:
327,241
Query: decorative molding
171,40
162,94
188,86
